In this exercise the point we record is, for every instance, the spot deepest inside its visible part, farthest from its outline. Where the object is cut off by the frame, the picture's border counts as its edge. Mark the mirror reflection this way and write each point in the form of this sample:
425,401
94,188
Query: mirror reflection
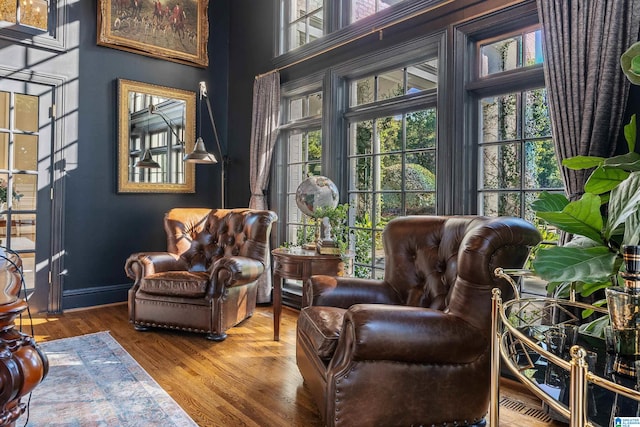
157,128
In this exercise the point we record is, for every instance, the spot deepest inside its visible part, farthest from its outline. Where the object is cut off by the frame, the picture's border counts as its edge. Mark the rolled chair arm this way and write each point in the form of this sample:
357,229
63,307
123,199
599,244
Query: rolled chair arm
143,264
408,334
233,271
343,292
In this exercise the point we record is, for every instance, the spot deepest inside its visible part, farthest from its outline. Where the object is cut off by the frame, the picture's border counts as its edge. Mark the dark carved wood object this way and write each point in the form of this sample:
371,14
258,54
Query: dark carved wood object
22,364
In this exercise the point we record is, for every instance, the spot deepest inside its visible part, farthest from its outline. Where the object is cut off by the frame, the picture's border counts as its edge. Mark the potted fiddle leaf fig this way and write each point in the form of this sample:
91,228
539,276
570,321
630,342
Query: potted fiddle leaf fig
604,221
605,218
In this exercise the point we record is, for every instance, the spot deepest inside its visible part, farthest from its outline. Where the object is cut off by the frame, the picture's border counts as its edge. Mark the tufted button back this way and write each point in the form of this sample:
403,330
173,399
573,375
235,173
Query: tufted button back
423,257
202,236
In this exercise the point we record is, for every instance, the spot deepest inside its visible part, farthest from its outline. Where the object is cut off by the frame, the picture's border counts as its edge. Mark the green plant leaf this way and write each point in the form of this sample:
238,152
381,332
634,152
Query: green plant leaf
596,327
631,227
589,288
562,264
549,202
631,64
630,130
624,201
580,217
604,179
629,162
586,313
635,65
581,242
582,162
553,287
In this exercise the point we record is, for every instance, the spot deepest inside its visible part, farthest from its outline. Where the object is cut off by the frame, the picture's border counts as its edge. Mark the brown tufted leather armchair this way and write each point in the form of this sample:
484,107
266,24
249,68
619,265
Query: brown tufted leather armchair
206,281
412,349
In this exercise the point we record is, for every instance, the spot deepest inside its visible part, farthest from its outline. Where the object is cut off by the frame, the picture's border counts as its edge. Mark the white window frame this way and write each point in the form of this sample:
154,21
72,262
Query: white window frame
54,38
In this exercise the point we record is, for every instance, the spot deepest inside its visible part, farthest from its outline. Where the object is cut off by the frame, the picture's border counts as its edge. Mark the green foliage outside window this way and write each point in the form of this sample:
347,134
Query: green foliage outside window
416,177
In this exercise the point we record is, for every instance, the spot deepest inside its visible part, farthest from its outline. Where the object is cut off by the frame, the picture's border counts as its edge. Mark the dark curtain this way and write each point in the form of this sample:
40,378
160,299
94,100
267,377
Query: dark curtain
264,134
587,91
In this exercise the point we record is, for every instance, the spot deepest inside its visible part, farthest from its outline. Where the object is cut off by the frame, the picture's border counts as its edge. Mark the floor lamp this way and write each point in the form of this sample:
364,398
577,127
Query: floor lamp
200,153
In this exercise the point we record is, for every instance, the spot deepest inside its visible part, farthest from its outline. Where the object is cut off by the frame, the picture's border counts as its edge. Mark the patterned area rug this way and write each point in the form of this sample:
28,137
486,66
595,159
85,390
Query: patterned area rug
93,381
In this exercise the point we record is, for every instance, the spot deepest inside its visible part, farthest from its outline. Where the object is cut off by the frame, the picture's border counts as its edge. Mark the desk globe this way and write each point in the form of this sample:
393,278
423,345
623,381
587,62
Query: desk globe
314,196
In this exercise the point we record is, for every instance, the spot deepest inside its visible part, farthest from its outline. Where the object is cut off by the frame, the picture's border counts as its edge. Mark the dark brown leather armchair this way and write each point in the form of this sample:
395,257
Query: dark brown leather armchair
412,349
206,281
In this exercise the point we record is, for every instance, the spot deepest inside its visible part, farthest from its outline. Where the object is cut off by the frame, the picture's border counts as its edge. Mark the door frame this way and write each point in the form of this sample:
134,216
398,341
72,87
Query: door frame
58,122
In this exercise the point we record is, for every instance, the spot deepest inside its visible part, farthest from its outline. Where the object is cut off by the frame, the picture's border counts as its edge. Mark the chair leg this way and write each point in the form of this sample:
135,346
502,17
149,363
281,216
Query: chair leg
217,337
140,328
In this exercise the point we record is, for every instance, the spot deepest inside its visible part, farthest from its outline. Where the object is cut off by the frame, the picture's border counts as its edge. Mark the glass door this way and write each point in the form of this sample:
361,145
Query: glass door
25,181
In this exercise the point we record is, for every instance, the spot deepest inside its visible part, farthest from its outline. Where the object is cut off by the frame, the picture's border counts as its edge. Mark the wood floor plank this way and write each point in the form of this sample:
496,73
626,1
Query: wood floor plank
246,380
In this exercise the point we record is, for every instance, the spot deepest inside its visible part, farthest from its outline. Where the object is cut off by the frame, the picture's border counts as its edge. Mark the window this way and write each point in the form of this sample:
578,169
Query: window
34,22
304,156
27,13
395,83
392,155
511,53
304,22
362,8
516,153
450,122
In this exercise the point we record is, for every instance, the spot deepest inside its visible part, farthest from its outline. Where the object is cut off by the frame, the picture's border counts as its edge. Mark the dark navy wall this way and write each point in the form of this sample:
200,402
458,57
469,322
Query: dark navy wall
251,49
103,227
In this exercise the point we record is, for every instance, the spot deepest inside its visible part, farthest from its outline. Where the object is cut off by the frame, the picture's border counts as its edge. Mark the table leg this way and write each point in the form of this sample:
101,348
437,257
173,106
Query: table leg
277,305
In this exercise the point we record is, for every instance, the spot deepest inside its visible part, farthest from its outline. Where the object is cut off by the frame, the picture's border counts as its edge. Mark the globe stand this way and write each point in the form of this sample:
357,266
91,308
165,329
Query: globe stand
313,195
326,245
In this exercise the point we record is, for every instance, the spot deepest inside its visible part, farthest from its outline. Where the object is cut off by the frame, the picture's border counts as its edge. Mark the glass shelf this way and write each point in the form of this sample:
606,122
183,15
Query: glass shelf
544,343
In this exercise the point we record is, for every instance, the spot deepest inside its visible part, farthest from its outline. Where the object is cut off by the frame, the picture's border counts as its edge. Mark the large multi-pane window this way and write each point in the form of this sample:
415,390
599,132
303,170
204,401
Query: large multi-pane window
304,157
303,21
430,125
516,153
392,155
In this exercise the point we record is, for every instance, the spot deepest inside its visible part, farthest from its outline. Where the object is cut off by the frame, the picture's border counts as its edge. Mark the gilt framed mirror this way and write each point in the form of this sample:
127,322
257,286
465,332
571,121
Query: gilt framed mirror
156,127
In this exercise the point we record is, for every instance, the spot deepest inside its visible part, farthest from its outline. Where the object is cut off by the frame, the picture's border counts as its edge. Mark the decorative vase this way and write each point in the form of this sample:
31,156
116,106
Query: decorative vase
623,304
22,364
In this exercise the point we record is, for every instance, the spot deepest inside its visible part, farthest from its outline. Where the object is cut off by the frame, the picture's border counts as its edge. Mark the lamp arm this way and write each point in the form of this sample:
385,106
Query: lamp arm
223,163
154,110
213,125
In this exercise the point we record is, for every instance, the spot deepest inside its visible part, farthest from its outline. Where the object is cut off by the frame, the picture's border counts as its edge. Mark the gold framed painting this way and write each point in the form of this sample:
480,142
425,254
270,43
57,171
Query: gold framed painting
174,30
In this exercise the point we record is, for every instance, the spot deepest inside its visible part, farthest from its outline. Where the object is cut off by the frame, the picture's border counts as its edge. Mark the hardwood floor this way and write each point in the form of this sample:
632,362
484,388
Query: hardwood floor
246,380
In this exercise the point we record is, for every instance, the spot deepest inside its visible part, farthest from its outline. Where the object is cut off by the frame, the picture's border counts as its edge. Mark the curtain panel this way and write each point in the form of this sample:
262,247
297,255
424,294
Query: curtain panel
587,91
264,133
